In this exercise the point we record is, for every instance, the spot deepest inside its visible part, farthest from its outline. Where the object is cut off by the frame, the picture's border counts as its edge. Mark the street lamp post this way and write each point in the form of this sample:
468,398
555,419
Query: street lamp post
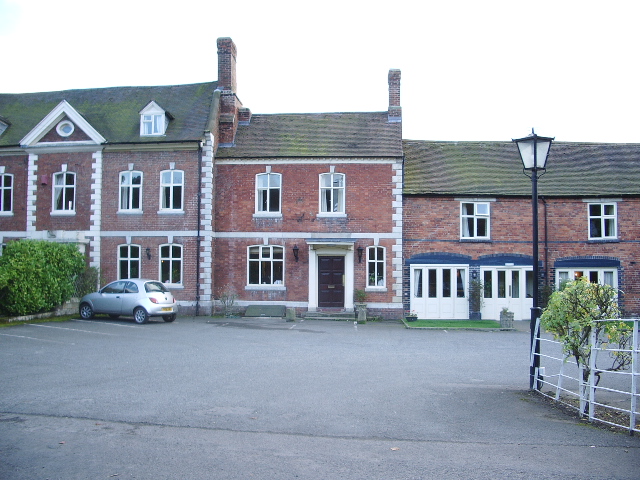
533,153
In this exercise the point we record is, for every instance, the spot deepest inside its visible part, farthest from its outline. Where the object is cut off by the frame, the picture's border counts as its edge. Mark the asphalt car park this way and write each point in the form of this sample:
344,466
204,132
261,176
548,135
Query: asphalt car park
205,398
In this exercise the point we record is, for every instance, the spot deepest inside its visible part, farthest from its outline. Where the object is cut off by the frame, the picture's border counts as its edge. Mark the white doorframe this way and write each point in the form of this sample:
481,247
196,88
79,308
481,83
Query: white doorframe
317,250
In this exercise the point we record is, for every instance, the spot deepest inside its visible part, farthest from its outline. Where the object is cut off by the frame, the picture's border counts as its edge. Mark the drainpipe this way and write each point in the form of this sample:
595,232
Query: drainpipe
546,243
198,240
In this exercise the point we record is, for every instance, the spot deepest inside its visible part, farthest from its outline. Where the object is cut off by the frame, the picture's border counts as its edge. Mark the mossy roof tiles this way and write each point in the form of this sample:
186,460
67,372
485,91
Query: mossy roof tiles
494,168
114,112
316,135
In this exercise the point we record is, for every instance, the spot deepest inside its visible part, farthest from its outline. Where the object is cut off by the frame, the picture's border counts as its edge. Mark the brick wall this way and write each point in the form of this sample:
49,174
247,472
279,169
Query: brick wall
368,199
432,225
16,166
48,165
368,211
151,164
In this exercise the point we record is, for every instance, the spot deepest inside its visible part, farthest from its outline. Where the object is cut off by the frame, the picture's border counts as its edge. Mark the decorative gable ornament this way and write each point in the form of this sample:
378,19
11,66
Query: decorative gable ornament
53,119
154,120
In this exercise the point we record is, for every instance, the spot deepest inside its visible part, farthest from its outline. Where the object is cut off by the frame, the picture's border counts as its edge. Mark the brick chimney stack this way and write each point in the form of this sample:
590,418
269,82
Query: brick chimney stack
230,105
227,53
395,110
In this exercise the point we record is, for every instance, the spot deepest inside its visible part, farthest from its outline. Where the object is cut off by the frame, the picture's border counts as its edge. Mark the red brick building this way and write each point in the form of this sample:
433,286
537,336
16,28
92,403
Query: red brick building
184,184
468,216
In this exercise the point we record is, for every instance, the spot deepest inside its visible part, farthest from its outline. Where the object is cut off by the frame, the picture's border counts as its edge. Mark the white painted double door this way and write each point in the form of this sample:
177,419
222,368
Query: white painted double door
440,292
507,287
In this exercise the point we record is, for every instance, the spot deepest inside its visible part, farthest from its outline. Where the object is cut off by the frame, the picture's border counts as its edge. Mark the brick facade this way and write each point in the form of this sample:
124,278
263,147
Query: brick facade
432,226
401,196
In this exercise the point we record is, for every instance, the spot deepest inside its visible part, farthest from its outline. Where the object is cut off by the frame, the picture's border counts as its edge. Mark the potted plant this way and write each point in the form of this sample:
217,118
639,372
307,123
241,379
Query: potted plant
411,315
360,298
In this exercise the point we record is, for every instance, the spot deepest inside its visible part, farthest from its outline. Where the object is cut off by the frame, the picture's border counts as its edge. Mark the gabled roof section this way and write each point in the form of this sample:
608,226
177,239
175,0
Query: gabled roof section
317,135
115,111
53,117
494,168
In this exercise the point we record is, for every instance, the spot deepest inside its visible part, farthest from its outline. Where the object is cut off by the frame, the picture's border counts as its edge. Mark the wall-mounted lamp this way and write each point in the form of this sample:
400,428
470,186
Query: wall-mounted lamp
296,251
148,253
360,252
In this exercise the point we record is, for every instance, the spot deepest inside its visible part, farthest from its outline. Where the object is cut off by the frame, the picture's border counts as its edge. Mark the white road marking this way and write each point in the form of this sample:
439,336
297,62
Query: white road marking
70,329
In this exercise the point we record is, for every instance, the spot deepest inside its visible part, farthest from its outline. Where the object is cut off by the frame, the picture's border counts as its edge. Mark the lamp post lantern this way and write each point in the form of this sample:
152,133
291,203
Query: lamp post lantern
533,151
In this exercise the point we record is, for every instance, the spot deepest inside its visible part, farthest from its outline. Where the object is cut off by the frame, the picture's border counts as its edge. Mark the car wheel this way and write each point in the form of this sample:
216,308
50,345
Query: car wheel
113,315
86,312
169,318
140,315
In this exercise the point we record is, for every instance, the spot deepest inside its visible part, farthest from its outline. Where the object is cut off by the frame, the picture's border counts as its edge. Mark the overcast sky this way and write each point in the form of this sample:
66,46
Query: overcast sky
471,70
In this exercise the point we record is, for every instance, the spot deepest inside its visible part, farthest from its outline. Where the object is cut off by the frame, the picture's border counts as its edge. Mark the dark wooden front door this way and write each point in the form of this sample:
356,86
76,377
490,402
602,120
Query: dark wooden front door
331,282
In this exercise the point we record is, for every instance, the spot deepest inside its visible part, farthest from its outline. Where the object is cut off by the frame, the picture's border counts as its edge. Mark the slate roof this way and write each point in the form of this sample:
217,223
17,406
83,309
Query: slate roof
495,168
317,135
114,112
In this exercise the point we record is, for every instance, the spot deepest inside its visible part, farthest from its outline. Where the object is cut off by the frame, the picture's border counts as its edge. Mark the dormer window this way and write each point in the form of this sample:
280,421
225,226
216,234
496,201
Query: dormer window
3,126
153,120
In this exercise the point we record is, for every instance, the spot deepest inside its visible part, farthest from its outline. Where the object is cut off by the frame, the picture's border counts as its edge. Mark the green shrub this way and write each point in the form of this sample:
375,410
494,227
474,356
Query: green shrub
87,281
573,314
37,276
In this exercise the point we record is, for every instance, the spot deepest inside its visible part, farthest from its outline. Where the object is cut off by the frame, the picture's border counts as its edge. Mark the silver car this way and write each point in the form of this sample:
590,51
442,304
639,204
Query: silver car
137,297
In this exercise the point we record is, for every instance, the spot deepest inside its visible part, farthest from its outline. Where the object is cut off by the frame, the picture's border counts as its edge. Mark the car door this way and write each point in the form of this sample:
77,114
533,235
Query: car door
110,298
129,298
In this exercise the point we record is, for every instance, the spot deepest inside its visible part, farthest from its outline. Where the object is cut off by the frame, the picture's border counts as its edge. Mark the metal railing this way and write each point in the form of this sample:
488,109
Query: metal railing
606,396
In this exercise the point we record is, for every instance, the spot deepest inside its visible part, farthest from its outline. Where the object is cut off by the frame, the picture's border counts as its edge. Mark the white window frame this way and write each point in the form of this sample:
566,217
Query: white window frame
129,187
65,128
267,263
264,194
477,215
376,267
170,186
336,194
6,191
605,275
173,253
153,121
130,260
69,205
604,218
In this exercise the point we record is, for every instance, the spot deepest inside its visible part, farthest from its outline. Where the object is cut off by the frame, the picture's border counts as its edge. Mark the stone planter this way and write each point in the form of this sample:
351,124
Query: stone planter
361,312
411,318
506,319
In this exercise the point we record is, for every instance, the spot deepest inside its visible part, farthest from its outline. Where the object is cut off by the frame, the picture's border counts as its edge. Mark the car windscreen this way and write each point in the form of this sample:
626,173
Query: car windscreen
155,287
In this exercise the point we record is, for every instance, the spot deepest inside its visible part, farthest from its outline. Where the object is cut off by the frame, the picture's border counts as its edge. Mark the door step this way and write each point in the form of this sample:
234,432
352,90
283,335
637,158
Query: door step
339,315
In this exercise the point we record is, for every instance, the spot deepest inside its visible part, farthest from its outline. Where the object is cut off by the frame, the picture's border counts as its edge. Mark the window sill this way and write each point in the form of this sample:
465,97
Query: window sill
170,212
129,212
475,240
266,287
64,214
375,289
267,215
603,240
6,214
331,215
174,286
